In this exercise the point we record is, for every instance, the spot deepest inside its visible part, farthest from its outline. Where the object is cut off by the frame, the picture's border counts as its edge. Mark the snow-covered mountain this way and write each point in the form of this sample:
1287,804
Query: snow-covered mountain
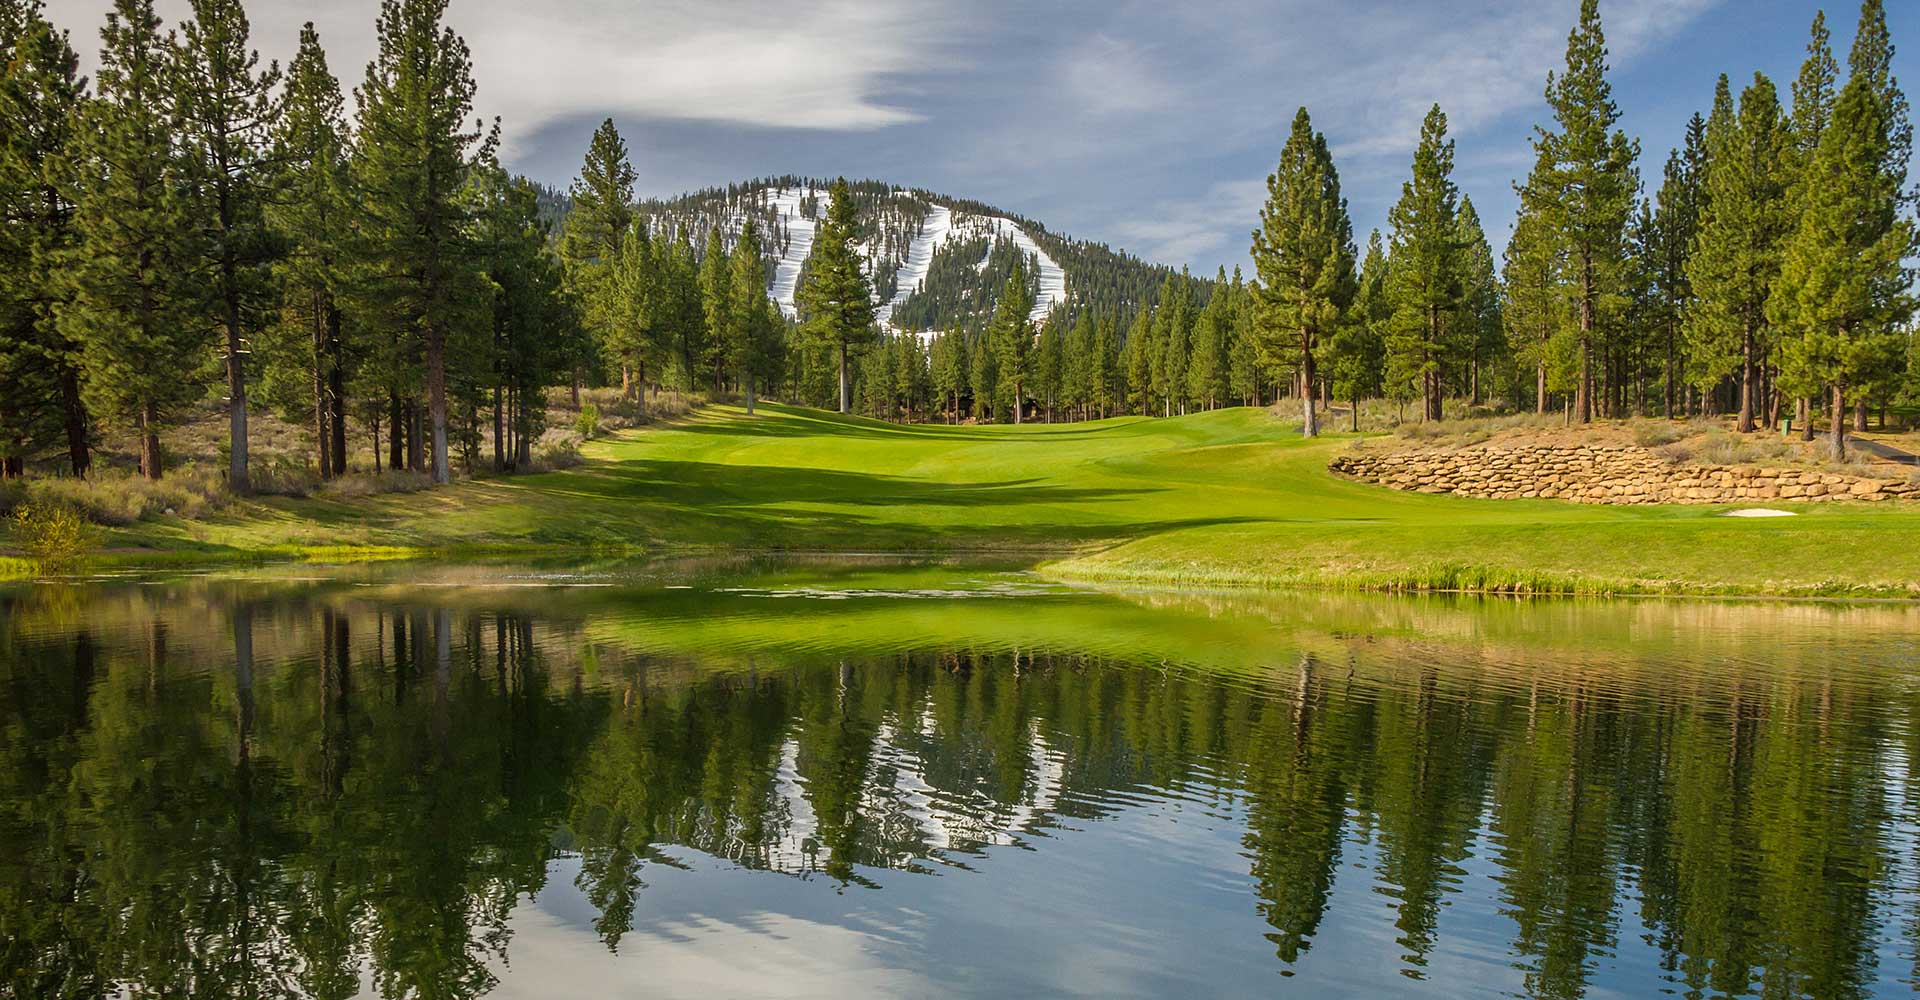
936,262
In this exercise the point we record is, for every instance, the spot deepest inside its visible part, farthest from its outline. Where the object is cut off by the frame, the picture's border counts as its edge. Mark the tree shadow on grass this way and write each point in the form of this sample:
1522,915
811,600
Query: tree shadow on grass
793,422
703,503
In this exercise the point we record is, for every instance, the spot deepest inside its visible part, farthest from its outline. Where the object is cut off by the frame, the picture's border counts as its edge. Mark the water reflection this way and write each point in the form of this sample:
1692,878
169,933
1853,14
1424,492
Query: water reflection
368,786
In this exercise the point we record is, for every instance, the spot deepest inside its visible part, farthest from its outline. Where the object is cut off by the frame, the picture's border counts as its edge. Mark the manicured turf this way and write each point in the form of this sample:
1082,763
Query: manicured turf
1232,497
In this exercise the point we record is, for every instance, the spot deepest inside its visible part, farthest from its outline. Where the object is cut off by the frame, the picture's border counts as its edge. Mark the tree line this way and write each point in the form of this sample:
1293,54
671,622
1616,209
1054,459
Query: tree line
1770,268
191,218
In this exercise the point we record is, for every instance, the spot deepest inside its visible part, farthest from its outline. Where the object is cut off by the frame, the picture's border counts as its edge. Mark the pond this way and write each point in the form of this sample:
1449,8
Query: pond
857,779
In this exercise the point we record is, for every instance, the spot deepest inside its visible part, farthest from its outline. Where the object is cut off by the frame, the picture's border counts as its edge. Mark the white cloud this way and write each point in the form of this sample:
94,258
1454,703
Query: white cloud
1106,75
1198,230
808,64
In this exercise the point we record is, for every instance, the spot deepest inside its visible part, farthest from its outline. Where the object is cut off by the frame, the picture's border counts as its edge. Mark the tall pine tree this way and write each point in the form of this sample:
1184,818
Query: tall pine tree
1738,250
1844,286
227,112
1304,255
415,141
132,305
312,214
41,96
1010,338
591,242
1589,185
836,299
1426,270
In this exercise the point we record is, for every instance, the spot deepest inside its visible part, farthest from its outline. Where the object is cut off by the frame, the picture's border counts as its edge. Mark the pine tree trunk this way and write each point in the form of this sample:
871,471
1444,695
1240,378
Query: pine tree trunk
1803,412
1670,367
749,394
337,390
1837,434
1583,396
843,376
322,419
1860,415
149,441
237,479
1019,399
499,431
437,399
396,432
78,454
1747,386
416,457
1309,424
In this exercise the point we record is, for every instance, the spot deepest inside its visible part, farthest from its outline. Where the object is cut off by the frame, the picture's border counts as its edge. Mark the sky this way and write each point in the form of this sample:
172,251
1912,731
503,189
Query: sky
1149,126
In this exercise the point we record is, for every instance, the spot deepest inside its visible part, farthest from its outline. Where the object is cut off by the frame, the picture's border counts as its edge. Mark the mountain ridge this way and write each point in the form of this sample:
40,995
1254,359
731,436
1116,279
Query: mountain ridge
936,261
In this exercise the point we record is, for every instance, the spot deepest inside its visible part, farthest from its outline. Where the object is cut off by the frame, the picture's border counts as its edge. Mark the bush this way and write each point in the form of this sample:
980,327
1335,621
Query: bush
561,454
587,424
367,484
283,475
53,536
122,498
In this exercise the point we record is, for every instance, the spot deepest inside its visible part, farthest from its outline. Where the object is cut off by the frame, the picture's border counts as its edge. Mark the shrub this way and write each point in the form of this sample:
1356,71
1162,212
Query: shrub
283,475
123,498
587,424
54,536
367,484
561,454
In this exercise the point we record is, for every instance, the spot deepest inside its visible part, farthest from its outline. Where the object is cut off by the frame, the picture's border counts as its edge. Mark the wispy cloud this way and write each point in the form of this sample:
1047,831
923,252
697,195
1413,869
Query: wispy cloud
805,64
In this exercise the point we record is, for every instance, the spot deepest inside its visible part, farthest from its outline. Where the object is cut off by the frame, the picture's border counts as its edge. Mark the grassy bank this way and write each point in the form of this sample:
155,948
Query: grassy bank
1227,498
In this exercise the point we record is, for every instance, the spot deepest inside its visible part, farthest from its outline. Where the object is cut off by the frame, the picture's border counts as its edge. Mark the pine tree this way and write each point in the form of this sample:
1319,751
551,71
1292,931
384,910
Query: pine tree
131,308
1738,251
835,297
1207,368
1137,359
1427,262
627,332
1173,322
228,112
1359,344
591,243
1813,96
311,214
1304,254
755,348
1677,223
983,377
1482,338
409,168
1049,351
1534,286
1844,286
1589,185
1010,338
1244,366
718,309
41,96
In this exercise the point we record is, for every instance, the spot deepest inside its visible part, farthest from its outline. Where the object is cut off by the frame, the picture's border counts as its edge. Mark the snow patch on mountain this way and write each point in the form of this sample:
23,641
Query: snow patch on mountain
942,226
932,236
800,226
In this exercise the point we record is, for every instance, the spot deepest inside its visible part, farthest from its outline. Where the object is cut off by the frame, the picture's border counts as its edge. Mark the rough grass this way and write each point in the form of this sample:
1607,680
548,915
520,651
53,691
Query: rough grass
1230,497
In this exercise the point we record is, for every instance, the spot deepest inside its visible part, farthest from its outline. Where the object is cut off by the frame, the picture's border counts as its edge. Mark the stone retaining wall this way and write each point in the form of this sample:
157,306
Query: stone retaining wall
1603,474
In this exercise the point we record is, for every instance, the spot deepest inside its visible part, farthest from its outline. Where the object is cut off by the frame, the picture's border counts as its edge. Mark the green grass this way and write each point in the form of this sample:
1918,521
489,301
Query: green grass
1234,497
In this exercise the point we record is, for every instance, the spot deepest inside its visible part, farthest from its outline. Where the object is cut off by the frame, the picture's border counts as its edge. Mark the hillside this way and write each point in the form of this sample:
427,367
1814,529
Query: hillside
936,262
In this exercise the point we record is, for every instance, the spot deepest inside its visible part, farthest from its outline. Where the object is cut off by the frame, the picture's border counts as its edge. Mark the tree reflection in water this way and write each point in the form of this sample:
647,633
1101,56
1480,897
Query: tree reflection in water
252,789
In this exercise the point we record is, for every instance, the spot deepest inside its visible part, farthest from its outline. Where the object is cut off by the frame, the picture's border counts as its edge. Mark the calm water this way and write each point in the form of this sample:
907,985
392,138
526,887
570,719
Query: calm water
446,782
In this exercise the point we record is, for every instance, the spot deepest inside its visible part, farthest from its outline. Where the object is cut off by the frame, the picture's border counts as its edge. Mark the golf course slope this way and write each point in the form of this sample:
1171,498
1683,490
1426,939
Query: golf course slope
1232,497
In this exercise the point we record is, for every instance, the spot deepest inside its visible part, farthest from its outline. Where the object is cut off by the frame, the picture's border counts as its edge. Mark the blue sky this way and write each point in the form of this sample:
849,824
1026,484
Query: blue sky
1147,125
